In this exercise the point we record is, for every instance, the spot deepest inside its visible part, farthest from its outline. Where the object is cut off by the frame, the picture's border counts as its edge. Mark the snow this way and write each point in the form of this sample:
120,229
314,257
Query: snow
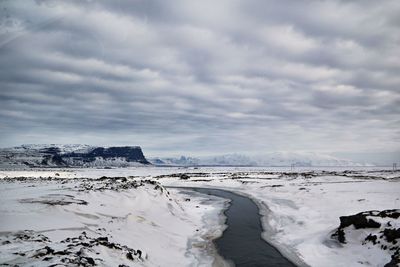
300,213
300,210
64,148
167,229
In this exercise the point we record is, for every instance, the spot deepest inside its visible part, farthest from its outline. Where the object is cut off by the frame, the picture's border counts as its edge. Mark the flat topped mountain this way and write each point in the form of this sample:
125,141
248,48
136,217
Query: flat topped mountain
54,155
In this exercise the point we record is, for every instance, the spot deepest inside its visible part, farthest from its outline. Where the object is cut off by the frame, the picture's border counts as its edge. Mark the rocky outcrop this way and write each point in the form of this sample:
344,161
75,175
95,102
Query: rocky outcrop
379,229
86,250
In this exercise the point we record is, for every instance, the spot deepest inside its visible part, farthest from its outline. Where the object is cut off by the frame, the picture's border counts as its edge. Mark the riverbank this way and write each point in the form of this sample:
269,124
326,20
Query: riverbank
241,242
301,210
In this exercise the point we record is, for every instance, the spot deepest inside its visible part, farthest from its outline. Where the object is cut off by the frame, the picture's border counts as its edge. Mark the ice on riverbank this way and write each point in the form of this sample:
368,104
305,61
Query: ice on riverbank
301,210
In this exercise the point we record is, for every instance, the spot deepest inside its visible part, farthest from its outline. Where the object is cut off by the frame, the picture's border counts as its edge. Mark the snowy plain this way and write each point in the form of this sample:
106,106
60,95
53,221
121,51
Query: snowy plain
300,211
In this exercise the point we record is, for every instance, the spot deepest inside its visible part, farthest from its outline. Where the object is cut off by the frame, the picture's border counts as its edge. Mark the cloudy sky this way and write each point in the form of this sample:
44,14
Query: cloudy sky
202,77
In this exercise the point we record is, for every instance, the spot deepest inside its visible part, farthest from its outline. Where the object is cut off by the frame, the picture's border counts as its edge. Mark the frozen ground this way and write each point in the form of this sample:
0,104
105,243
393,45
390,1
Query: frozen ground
109,222
301,211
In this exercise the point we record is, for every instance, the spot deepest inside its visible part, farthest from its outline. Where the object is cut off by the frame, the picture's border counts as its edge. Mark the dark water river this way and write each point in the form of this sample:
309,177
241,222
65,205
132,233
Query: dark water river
241,242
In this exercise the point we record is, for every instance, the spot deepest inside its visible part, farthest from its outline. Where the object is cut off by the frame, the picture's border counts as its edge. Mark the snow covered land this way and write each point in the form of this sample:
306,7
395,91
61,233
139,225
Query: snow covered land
133,216
106,221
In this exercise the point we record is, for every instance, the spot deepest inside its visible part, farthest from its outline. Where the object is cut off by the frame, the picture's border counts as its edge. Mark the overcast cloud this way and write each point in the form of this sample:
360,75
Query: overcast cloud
202,77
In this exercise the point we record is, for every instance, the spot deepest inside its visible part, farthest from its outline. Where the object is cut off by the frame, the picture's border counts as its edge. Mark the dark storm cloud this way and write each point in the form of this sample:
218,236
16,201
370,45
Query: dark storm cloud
201,76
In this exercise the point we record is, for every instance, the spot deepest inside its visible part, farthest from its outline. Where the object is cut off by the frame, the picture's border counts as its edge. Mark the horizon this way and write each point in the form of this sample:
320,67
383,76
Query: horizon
376,159
203,78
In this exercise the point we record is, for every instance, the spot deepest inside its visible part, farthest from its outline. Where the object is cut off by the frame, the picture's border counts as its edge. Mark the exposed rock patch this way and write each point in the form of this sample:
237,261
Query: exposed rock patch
82,250
379,229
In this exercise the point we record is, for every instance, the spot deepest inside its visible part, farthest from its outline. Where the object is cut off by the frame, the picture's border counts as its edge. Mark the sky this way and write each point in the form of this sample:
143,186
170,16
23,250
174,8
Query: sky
202,77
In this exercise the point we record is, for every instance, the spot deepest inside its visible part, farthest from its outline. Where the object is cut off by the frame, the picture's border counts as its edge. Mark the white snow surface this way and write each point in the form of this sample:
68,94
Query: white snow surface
300,210
64,148
167,229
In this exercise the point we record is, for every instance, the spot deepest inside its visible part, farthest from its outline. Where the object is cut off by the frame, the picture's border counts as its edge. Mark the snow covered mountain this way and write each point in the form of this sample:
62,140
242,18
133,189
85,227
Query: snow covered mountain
181,161
276,159
54,155
303,159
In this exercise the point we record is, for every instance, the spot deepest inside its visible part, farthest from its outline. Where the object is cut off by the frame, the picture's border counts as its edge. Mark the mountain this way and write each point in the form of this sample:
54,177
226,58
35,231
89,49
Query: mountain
54,155
303,159
181,161
229,160
276,159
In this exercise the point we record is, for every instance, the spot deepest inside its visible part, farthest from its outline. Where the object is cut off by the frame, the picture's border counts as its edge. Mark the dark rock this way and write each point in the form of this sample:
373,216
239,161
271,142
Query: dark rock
359,221
43,252
395,214
371,238
184,176
129,256
341,236
395,262
391,234
58,160
90,260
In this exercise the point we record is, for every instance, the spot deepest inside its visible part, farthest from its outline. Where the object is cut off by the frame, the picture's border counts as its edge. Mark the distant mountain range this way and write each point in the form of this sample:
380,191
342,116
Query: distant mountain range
278,159
55,155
